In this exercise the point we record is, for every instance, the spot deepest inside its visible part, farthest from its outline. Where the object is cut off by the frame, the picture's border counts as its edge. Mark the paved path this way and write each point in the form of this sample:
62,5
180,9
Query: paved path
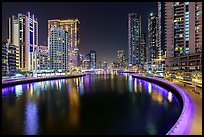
196,128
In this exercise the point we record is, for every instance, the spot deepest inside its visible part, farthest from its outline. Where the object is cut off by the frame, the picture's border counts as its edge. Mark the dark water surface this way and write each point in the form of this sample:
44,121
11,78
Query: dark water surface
93,104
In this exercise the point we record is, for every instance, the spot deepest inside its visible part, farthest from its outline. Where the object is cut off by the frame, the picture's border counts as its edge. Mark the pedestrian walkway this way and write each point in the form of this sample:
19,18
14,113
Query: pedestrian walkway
196,128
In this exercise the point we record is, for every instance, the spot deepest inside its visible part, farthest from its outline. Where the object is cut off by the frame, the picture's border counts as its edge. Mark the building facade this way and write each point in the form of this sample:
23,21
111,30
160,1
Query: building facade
4,58
161,29
11,58
42,62
58,49
8,59
93,59
120,56
183,36
87,61
134,37
105,65
22,31
73,29
143,49
153,47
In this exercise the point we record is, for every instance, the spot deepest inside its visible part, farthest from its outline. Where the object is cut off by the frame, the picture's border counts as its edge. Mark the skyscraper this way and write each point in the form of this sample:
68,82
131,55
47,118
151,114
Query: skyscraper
143,49
72,27
134,36
58,49
22,31
183,35
161,35
153,47
161,30
120,57
93,59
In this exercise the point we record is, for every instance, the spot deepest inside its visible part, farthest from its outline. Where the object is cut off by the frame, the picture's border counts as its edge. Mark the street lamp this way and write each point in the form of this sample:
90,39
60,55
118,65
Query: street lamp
195,83
196,74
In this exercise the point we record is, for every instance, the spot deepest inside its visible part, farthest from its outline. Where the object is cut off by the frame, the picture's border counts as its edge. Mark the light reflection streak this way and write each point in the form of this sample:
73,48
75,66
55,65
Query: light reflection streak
149,88
31,89
157,97
140,86
31,119
74,106
130,83
135,85
170,96
60,85
81,86
56,83
18,90
7,90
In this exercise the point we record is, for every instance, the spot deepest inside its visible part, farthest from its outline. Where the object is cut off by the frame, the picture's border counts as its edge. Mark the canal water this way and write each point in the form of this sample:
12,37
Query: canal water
93,104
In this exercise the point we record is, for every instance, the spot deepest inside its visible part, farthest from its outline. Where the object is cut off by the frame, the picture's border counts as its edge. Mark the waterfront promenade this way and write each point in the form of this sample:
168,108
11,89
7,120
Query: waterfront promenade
12,82
196,127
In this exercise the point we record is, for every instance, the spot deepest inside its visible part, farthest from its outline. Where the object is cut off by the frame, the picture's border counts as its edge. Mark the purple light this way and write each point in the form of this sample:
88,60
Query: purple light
31,119
183,124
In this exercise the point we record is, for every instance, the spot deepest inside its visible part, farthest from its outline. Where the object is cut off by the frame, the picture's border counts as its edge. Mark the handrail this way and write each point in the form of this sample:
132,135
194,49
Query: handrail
183,124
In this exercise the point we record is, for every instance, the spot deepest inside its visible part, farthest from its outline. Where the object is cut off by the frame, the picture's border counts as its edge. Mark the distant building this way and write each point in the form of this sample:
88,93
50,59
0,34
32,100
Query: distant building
115,65
134,37
105,65
58,49
87,61
120,56
93,59
81,58
99,65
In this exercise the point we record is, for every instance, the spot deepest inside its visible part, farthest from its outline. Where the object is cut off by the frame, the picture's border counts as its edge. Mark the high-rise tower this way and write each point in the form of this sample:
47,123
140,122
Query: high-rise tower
22,31
134,36
72,27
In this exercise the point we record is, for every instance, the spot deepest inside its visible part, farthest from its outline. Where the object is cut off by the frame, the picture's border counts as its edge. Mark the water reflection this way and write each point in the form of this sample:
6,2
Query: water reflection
94,103
149,88
31,118
170,96
74,106
81,85
157,97
19,90
135,85
130,83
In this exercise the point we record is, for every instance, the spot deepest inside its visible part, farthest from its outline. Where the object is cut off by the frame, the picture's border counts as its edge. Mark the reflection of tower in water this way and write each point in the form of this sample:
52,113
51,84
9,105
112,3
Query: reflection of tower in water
74,106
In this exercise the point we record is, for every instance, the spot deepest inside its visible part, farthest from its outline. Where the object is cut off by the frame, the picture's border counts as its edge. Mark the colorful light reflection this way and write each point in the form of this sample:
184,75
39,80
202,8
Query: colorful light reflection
31,119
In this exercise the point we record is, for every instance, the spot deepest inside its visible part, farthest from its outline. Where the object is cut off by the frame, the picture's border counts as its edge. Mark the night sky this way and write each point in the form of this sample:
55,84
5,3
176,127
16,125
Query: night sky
103,25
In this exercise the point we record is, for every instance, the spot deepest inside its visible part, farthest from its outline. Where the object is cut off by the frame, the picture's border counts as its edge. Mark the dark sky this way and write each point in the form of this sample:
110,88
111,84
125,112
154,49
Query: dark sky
103,25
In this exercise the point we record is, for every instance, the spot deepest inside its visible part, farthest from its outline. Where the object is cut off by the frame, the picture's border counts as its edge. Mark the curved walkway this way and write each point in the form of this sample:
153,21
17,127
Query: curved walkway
184,122
196,127
33,79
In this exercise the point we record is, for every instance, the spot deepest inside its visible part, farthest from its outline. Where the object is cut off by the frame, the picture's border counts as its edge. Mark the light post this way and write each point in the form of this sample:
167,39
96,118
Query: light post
195,83
196,74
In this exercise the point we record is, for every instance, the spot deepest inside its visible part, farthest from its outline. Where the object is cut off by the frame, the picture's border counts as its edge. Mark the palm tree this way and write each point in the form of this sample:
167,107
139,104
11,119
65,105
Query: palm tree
196,75
180,73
